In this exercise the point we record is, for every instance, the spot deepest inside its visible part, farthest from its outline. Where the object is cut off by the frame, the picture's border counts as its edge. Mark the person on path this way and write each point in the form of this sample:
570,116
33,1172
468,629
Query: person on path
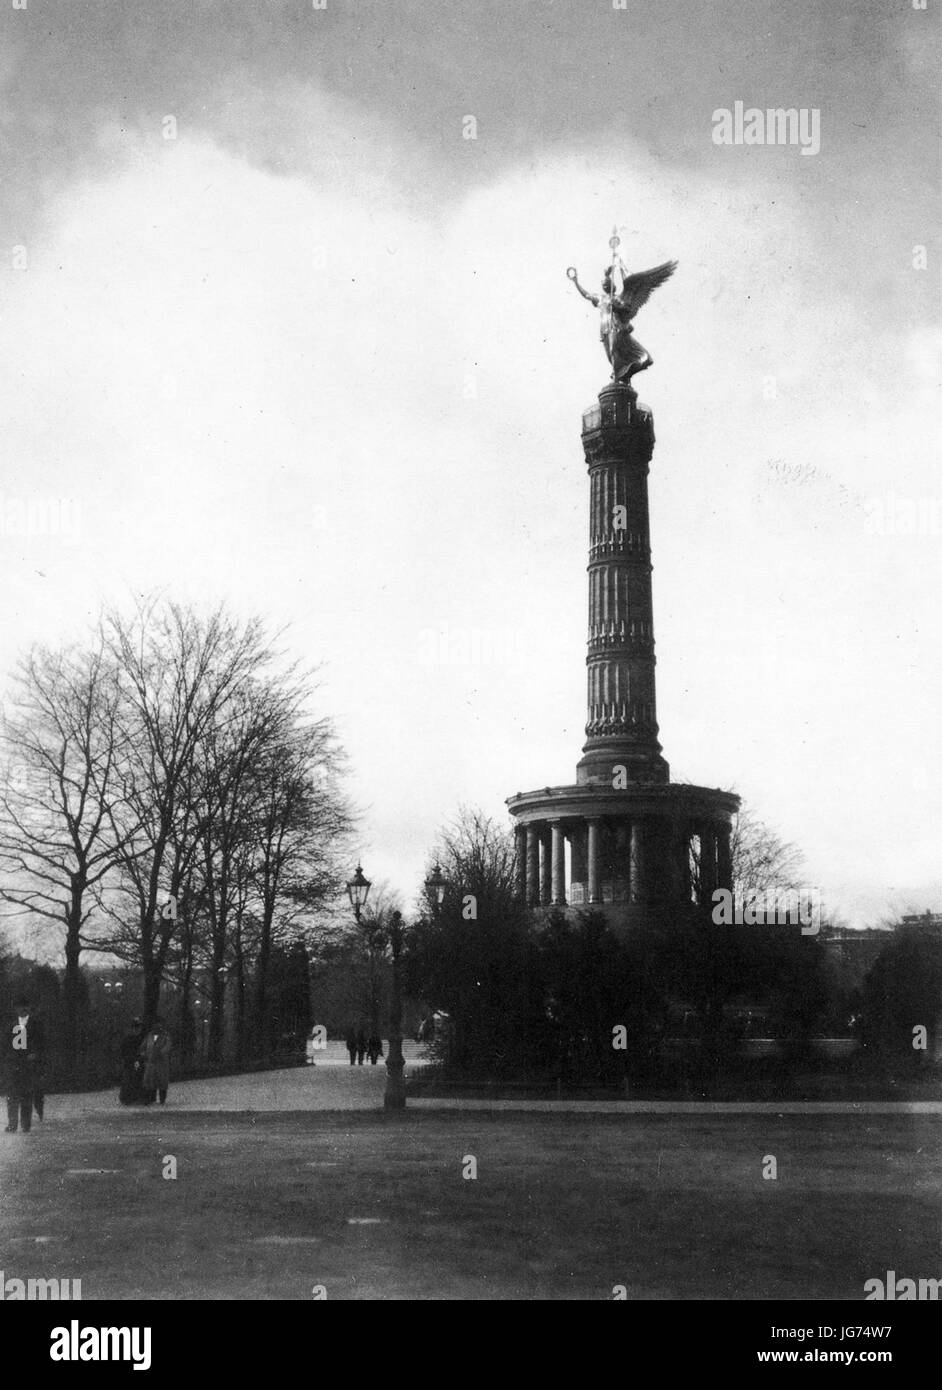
352,1044
155,1050
24,1047
132,1065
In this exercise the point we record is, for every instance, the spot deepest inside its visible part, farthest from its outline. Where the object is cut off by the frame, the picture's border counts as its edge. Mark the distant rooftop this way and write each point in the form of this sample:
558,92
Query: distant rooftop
923,919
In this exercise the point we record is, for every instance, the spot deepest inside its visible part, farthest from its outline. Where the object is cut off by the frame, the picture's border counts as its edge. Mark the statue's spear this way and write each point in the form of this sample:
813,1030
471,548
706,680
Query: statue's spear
614,242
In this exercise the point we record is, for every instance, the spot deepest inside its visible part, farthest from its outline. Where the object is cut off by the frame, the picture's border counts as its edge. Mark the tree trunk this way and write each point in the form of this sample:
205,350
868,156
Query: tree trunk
152,980
217,1012
71,990
239,974
260,1022
187,1029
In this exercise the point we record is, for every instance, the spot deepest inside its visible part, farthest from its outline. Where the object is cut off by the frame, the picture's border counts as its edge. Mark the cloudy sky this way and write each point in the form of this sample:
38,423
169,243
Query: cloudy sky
275,331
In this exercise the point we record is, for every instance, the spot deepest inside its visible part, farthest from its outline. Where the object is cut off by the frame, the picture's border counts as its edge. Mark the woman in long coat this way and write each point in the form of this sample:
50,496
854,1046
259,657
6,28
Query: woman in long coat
155,1050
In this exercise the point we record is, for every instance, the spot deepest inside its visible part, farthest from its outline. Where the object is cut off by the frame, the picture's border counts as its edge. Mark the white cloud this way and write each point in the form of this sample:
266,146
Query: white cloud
302,394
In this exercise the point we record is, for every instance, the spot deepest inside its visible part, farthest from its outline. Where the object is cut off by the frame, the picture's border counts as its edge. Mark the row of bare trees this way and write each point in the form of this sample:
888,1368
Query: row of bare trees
168,798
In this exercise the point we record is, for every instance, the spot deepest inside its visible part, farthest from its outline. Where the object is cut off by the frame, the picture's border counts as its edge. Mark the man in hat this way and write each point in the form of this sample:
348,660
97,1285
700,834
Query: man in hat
24,1045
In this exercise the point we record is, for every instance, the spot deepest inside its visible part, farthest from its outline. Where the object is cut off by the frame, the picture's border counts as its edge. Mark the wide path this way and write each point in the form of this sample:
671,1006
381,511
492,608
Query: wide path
332,1084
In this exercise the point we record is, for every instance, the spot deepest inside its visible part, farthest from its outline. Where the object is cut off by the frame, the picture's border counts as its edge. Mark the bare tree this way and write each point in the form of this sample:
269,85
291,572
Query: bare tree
177,671
300,830
169,779
228,755
478,855
63,819
762,861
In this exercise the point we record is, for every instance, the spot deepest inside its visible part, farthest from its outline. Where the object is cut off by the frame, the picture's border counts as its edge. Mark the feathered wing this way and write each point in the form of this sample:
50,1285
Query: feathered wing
639,287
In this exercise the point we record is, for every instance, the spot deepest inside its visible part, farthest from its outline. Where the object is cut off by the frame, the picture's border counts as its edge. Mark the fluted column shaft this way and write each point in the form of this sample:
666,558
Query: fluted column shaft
724,858
593,865
520,863
533,866
558,863
680,861
707,864
637,867
546,889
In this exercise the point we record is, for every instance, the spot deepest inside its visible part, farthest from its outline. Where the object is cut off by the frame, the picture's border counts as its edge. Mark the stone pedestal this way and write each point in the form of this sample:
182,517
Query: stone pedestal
631,850
633,835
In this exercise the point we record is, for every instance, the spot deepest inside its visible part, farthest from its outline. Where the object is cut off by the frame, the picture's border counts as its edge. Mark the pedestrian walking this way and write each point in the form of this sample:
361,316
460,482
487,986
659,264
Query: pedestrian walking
352,1044
24,1048
155,1050
374,1048
132,1065
361,1046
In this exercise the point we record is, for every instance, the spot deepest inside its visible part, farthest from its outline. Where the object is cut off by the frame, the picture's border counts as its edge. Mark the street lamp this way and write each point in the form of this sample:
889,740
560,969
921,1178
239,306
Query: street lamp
435,886
358,890
395,1097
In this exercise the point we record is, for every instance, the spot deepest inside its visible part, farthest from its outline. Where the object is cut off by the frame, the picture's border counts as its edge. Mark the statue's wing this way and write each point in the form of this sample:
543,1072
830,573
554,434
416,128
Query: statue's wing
638,288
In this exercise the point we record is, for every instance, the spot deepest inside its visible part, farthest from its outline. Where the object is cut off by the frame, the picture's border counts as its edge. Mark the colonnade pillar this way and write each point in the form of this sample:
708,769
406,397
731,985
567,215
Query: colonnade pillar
520,863
637,875
593,866
533,867
724,858
558,866
546,888
707,864
680,861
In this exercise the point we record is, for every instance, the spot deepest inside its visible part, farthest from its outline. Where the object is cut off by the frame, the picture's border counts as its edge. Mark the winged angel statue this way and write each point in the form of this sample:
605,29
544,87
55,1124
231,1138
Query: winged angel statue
621,298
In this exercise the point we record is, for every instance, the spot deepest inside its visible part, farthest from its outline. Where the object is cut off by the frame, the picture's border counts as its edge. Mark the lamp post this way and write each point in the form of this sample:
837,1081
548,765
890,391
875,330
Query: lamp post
395,1097
358,890
435,886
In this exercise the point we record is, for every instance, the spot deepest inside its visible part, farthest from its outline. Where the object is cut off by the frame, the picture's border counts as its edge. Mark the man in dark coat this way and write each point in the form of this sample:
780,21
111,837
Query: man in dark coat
132,1067
24,1047
155,1050
352,1044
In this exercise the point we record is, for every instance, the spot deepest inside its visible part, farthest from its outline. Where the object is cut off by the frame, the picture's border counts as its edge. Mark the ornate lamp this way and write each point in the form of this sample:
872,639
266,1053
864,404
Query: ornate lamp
435,885
358,890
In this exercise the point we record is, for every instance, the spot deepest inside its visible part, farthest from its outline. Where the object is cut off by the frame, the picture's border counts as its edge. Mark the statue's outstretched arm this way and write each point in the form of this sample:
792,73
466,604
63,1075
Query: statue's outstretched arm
592,298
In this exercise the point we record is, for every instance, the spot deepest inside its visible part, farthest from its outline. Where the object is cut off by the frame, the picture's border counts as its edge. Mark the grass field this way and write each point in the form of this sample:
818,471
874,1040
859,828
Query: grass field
563,1207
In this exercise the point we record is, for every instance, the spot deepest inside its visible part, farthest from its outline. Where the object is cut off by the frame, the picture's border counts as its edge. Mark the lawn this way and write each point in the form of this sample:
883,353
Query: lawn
562,1207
